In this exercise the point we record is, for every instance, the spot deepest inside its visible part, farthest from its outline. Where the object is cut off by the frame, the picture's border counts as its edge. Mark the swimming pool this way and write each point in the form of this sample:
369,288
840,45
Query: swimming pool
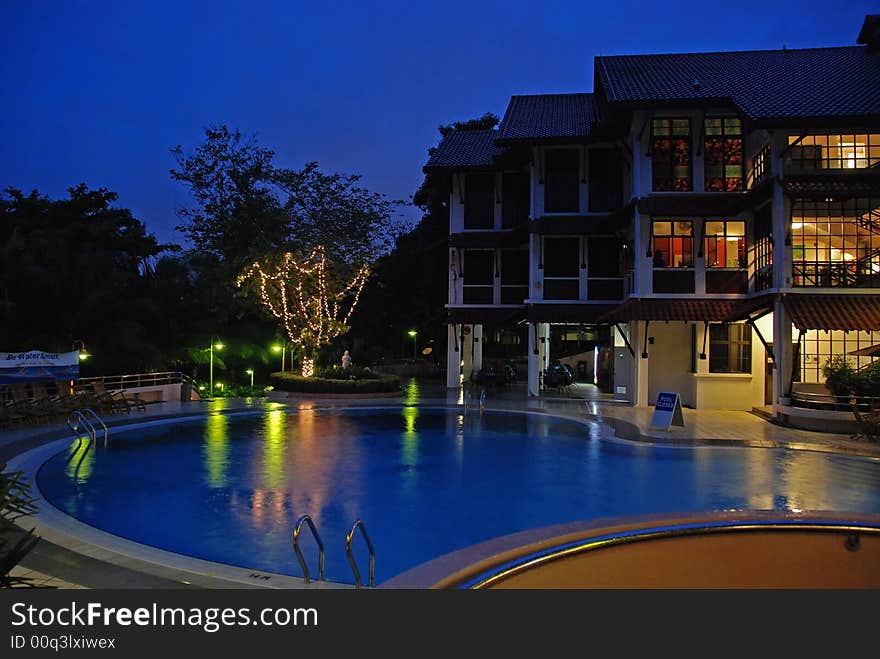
228,488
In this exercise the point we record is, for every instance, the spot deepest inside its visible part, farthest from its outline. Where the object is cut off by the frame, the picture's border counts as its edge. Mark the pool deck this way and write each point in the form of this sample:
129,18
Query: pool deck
63,561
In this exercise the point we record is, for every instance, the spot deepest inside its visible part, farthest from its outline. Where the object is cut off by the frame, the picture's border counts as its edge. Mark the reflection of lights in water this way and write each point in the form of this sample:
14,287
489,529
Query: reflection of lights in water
217,450
412,392
273,449
410,435
81,461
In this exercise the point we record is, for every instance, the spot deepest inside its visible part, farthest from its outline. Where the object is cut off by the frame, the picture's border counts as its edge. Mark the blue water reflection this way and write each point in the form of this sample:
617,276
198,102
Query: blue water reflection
426,482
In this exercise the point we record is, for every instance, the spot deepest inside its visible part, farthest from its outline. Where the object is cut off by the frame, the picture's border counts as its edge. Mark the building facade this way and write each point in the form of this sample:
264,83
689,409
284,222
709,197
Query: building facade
704,223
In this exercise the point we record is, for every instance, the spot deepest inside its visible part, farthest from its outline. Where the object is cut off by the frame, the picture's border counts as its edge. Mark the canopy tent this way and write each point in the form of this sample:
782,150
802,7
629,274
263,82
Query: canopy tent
38,366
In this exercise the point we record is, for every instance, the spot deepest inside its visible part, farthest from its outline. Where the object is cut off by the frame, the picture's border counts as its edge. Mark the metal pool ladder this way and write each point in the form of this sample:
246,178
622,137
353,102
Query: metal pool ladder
302,561
359,524
469,398
92,414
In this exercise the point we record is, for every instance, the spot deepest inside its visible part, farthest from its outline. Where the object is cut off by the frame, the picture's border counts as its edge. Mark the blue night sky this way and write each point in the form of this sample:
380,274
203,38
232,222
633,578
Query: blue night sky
97,92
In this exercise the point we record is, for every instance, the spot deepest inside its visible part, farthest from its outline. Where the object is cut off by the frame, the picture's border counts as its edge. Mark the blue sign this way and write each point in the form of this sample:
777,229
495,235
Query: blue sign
667,411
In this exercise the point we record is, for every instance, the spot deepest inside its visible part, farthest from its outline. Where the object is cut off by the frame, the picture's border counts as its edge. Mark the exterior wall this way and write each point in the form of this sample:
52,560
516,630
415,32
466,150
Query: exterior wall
668,362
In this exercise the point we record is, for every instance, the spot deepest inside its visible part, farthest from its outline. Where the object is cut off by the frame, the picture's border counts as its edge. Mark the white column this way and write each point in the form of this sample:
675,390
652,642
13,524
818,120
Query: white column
640,366
544,348
453,357
534,362
478,347
782,350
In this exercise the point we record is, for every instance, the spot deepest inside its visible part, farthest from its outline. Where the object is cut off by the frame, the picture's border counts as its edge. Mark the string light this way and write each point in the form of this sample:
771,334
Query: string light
297,293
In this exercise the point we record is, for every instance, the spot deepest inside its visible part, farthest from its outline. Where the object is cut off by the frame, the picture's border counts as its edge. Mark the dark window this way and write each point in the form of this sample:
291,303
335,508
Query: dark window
836,243
479,201
604,269
606,180
514,200
673,244
730,348
514,276
724,154
562,260
561,181
671,154
479,276
725,244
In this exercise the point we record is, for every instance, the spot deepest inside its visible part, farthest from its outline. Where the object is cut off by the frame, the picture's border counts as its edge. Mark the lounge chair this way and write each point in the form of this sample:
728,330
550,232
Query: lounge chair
123,403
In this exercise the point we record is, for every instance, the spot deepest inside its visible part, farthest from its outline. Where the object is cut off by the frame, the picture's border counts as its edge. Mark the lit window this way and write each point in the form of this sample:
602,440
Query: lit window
838,151
673,244
724,154
726,244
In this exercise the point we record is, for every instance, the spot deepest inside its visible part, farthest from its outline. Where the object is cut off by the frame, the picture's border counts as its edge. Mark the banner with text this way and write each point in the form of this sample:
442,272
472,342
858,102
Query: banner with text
38,366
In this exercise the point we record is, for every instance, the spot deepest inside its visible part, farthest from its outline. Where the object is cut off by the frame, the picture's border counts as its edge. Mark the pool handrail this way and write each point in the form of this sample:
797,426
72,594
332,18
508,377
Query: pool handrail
302,561
97,418
359,524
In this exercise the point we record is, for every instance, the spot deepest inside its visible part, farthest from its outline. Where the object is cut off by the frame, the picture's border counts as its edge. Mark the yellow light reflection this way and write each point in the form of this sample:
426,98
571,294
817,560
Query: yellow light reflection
410,445
413,393
274,448
217,450
81,461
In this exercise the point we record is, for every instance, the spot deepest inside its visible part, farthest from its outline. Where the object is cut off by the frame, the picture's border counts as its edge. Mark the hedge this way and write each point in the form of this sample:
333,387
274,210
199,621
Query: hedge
316,385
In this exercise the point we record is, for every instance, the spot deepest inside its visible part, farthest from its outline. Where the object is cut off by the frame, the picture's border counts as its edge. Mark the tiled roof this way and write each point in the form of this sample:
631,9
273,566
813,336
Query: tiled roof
834,312
465,148
763,84
673,309
547,116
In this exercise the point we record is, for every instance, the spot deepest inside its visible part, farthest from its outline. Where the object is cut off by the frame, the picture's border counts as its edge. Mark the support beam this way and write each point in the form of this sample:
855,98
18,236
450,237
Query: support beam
767,346
626,342
705,336
795,358
645,349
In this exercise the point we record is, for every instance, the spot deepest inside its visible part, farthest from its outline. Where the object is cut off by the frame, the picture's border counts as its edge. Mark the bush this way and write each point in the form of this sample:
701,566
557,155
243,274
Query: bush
840,376
324,385
350,373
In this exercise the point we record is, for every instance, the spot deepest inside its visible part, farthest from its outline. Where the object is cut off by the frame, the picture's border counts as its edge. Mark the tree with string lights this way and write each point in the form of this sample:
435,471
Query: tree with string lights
312,300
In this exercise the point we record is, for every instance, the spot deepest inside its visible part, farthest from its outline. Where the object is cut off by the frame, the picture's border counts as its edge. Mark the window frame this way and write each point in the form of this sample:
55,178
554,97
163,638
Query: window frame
723,137
670,181
671,238
734,363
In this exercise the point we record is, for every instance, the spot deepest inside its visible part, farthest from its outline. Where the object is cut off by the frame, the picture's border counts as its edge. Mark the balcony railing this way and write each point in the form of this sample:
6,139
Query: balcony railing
834,274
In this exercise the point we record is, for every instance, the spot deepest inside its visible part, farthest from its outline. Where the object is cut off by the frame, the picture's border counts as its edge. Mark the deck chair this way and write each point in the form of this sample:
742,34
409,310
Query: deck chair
27,405
124,403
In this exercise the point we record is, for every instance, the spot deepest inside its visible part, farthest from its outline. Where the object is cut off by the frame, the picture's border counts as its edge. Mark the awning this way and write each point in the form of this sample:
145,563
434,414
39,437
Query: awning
473,315
834,312
674,309
567,313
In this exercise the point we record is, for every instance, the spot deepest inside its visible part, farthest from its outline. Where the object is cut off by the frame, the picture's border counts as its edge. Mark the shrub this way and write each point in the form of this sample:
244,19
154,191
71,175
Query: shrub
324,385
350,373
840,376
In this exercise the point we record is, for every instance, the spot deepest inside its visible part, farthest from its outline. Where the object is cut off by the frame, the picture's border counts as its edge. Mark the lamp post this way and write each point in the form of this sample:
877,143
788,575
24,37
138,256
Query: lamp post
250,372
218,346
280,348
413,334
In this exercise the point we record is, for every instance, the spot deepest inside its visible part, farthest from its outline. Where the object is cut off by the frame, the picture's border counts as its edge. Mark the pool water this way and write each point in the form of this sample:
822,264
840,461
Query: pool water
425,482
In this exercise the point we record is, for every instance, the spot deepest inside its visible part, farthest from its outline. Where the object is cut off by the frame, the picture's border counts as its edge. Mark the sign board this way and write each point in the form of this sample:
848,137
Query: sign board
38,365
667,411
